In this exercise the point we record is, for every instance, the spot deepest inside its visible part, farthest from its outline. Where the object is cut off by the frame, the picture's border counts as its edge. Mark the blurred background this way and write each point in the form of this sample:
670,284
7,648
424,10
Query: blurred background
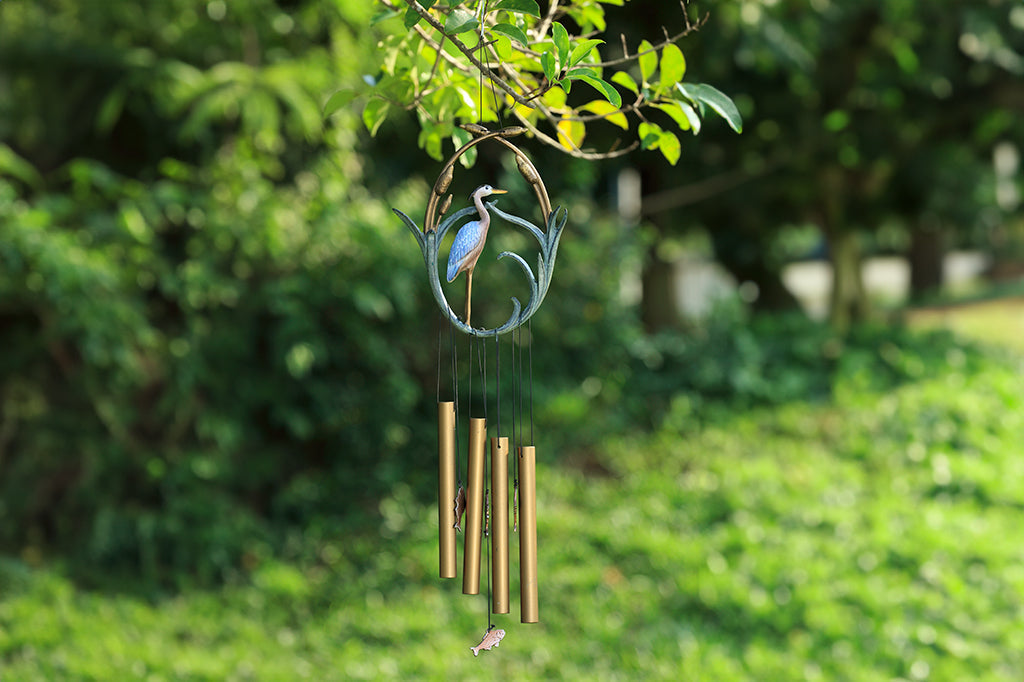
779,385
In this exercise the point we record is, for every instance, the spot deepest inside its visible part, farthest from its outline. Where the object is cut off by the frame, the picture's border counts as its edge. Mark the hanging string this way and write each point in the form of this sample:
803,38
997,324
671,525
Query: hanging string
517,389
522,437
482,361
497,382
439,318
480,58
529,333
471,372
481,350
455,398
490,596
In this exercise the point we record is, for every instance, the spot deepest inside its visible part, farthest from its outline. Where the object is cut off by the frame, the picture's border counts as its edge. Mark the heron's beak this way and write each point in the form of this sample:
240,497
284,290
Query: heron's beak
499,191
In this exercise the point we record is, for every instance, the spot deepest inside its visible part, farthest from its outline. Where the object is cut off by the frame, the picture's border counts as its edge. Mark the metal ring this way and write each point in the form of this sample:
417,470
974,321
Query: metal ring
523,163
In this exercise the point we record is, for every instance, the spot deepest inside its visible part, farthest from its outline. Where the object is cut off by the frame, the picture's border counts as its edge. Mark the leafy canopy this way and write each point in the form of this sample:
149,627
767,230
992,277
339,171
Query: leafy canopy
480,60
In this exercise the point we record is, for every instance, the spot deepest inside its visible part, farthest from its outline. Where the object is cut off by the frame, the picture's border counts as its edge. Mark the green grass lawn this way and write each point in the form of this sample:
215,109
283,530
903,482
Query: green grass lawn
875,536
998,321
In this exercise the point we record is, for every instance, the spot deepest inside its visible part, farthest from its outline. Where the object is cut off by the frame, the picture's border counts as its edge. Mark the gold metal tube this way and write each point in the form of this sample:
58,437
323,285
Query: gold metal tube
528,596
446,488
499,525
474,507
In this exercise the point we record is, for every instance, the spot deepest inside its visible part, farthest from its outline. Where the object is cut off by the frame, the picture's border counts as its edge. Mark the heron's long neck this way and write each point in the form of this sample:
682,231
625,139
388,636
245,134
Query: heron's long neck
485,217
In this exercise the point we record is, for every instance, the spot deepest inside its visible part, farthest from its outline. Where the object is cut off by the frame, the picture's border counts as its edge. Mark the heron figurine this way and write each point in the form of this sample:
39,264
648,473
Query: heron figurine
469,242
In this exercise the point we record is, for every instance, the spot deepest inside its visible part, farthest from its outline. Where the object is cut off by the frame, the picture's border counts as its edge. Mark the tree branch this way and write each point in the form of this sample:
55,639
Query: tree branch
626,58
461,47
573,152
705,189
545,25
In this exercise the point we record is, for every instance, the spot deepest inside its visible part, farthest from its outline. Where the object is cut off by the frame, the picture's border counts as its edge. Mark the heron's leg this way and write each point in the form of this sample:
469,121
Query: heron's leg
469,294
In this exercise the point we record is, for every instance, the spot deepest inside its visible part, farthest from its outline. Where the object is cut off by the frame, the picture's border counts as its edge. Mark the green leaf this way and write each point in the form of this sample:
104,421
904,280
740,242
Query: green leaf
676,112
110,110
571,133
716,99
383,16
547,62
669,145
554,98
561,39
459,138
626,81
503,47
673,65
460,21
12,165
604,87
650,135
430,142
513,32
609,111
580,52
412,17
338,100
691,115
648,62
583,71
836,120
374,114
521,6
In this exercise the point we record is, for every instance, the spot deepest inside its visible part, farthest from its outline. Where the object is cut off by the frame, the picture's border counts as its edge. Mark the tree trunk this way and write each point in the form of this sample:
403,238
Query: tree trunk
659,308
927,250
849,301
772,294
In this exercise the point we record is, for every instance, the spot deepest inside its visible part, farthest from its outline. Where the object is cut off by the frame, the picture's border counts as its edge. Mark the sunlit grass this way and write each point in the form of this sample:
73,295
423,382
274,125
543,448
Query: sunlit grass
999,321
867,534
870,538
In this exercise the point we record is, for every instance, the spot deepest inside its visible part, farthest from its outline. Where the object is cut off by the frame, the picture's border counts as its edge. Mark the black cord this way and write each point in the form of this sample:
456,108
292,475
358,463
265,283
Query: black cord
497,382
530,341
439,318
481,345
455,393
517,389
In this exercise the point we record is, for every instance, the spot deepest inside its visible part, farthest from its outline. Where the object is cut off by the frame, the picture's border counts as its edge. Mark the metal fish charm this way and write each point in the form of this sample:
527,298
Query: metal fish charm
491,639
460,507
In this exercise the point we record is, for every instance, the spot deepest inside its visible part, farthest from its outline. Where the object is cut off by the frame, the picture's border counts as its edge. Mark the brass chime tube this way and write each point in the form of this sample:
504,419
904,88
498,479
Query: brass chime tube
528,596
474,506
499,525
446,488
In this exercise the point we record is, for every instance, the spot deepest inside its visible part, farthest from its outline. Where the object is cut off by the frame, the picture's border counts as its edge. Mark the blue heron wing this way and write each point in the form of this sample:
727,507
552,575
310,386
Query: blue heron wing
467,237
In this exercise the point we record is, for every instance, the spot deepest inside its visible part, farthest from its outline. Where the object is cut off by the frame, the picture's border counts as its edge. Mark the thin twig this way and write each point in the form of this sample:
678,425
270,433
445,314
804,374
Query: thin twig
433,43
461,47
545,25
690,28
576,153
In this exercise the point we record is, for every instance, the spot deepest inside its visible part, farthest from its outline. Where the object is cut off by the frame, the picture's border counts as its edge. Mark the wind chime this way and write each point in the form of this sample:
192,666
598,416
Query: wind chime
485,499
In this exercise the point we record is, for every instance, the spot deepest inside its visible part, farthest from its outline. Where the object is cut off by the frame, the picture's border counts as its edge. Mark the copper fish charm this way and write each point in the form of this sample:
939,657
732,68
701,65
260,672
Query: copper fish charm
460,507
491,639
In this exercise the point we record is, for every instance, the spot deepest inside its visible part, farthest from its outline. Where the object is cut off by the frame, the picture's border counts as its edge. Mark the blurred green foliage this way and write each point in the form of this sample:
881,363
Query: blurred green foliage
214,331
877,118
219,367
194,284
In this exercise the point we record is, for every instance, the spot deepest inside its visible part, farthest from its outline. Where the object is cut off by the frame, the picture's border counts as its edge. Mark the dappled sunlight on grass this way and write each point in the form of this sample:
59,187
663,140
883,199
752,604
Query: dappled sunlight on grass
999,321
864,538
851,522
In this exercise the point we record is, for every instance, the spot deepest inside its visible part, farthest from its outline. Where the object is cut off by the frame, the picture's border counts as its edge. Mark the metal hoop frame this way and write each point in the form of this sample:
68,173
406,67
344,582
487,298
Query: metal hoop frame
430,237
